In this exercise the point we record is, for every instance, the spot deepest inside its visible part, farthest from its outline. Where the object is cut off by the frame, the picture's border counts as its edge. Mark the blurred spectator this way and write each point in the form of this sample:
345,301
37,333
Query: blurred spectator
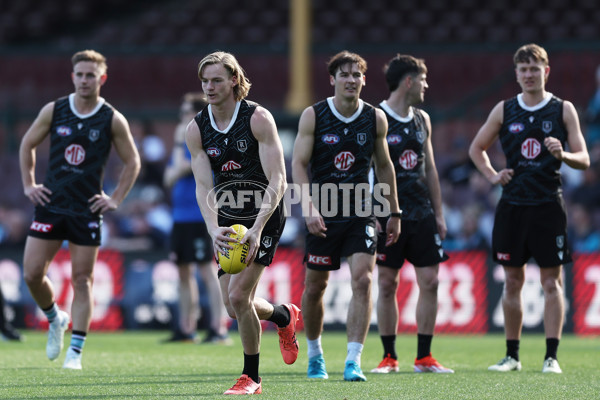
7,331
153,154
592,114
14,225
470,236
582,235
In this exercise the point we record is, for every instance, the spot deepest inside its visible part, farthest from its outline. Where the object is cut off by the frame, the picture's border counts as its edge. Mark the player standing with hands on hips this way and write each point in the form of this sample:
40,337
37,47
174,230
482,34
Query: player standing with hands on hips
70,203
534,129
237,139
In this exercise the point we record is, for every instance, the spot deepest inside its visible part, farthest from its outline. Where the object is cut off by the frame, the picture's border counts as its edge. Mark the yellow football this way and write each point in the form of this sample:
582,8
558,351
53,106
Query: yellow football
233,261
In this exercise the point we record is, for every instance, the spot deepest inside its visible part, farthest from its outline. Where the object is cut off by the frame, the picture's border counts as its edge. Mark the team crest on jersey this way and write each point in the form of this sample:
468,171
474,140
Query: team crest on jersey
361,138
230,166
394,139
516,127
547,126
344,160
94,135
420,136
213,152
267,241
63,130
242,145
330,138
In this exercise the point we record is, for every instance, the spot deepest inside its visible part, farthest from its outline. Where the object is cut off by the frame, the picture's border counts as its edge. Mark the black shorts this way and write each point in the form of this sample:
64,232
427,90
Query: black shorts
419,243
81,230
539,231
190,242
269,238
344,238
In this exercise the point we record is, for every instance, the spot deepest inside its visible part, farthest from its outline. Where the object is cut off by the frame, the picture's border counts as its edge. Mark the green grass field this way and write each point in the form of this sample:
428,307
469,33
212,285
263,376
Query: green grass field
133,365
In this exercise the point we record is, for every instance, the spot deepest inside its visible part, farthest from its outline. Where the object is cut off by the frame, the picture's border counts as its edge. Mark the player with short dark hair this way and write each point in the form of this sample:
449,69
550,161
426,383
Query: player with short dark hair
69,204
534,128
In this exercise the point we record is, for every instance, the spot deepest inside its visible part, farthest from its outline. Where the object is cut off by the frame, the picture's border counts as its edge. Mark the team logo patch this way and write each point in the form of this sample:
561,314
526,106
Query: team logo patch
94,225
394,139
408,159
547,126
63,130
330,138
319,260
230,166
242,145
94,135
213,152
560,241
370,230
531,148
75,154
516,127
369,243
420,136
361,138
40,227
344,160
267,241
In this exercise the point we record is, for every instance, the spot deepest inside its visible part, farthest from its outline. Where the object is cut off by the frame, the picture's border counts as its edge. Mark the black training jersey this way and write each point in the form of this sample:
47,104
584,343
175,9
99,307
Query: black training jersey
342,152
239,178
406,138
536,176
79,148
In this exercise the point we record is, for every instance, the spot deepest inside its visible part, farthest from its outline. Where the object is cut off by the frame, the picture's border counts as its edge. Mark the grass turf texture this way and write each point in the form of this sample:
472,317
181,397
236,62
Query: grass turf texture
134,365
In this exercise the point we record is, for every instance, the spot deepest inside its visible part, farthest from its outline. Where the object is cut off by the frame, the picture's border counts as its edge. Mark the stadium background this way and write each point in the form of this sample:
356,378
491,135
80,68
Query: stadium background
153,48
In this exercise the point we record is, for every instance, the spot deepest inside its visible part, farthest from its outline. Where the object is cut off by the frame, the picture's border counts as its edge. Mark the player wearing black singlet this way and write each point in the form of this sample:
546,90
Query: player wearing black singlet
424,227
69,205
534,129
338,138
237,140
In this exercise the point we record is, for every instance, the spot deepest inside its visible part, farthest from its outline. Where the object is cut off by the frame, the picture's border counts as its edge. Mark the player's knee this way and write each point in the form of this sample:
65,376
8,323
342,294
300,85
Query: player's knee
81,281
362,283
387,288
33,277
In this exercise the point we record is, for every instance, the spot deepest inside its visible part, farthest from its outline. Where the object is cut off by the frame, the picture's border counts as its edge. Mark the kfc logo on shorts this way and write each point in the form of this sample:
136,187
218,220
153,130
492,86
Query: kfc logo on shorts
344,160
503,256
531,148
213,152
75,154
381,257
39,227
319,260
330,138
230,166
93,225
408,159
516,127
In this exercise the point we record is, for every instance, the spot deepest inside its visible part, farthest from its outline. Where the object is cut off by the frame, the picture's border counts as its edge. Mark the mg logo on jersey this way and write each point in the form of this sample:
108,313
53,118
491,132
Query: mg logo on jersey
516,127
408,159
39,227
63,130
75,154
213,152
230,166
344,160
319,260
531,148
394,139
330,138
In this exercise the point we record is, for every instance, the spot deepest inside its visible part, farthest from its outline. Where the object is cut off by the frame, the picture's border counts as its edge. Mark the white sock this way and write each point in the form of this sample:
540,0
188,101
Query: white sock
354,352
314,347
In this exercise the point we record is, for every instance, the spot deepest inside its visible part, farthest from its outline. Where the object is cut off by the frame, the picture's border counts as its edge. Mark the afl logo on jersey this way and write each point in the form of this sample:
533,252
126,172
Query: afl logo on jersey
75,154
531,148
63,130
394,139
344,160
330,138
408,159
230,166
213,152
516,127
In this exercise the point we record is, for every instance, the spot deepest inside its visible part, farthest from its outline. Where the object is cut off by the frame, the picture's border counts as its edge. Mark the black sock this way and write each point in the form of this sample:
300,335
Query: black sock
551,347
423,345
251,366
281,316
512,348
2,318
389,346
